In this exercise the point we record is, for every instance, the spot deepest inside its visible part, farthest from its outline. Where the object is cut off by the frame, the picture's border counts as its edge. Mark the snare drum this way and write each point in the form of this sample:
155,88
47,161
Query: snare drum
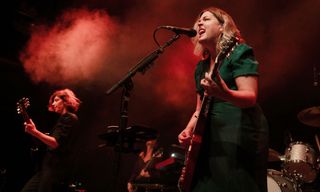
300,162
279,183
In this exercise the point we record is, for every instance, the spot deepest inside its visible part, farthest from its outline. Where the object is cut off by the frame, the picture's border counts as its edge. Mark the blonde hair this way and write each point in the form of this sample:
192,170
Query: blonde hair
229,30
70,100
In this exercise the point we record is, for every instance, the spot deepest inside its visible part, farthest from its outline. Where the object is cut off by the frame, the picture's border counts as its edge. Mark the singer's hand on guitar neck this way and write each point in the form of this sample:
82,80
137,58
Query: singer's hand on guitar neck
216,88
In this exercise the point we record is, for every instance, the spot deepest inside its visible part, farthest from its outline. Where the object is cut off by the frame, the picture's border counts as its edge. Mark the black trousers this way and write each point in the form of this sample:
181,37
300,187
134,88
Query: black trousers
45,181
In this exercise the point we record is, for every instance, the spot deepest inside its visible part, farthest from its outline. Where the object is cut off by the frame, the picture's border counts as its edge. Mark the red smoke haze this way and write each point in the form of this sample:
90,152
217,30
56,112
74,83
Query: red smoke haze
72,50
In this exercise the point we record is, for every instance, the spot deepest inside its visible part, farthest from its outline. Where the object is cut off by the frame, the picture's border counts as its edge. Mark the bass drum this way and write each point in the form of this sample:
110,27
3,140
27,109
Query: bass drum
278,183
301,162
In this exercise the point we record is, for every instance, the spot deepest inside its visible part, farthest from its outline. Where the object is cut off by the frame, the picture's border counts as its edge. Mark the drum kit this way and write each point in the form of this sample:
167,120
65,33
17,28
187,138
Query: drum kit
300,162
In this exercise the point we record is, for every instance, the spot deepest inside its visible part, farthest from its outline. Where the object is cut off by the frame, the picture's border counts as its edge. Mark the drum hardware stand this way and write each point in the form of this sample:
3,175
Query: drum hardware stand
127,84
317,141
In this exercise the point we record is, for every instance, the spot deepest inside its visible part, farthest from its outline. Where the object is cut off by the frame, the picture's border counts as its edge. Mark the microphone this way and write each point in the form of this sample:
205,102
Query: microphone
315,76
179,30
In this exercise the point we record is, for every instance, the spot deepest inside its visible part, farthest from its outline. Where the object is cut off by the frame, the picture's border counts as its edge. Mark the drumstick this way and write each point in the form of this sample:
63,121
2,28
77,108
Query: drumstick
318,144
317,141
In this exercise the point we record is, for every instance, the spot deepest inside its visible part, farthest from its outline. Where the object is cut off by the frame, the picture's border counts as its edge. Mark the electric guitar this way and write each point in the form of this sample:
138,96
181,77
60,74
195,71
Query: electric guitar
22,106
147,167
186,178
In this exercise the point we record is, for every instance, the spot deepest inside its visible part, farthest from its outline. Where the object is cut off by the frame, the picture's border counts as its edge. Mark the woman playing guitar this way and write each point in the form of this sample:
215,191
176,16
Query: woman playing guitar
234,142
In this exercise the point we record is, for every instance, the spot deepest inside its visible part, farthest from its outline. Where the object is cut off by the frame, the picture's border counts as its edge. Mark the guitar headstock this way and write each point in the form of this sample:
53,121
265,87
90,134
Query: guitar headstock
227,47
22,106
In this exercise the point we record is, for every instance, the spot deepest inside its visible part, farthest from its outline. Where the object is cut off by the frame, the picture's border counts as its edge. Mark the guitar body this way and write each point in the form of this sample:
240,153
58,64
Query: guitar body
186,178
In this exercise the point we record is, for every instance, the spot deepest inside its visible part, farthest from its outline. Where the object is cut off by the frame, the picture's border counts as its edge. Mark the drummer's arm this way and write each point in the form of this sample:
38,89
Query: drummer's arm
130,187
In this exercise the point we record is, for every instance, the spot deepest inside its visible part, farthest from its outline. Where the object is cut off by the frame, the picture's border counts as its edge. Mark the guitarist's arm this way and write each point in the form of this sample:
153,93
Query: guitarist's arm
31,128
245,96
185,136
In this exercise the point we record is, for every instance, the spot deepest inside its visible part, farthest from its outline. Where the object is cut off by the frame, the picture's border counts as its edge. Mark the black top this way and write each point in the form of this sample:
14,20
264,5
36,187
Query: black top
60,160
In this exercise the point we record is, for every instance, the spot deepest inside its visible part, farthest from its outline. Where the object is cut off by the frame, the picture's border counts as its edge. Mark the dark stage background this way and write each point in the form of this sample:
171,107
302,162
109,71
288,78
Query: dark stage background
90,45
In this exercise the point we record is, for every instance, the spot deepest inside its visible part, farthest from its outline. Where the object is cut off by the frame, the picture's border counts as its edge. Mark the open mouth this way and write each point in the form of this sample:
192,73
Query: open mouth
201,31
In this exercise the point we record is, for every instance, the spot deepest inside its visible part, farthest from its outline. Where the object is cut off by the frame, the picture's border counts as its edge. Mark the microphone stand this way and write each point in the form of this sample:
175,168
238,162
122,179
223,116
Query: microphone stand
127,84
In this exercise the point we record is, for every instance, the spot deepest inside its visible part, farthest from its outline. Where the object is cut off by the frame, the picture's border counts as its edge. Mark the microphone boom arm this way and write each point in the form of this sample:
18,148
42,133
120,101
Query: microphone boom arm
143,65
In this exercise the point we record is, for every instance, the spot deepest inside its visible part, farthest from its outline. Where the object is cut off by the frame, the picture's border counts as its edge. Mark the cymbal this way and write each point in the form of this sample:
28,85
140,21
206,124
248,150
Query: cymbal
273,155
310,116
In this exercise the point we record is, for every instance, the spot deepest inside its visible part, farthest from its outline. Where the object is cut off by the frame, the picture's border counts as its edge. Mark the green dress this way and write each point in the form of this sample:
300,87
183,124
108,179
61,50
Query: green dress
233,156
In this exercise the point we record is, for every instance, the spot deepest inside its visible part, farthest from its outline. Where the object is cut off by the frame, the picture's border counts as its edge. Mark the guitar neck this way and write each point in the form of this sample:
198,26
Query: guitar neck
26,117
205,106
147,166
157,153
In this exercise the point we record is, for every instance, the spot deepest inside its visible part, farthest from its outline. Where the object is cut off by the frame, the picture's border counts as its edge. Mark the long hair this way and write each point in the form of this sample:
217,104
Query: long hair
70,100
229,30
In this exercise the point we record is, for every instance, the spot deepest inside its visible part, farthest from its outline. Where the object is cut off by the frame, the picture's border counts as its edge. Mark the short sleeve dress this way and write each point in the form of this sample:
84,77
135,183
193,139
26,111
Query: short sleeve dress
233,155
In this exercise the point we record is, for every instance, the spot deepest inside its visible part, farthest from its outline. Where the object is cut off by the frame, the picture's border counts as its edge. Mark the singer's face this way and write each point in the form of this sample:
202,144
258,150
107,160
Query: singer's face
209,29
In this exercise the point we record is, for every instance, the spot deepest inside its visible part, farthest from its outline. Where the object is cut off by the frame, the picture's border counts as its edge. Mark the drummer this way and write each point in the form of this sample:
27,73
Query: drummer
144,171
